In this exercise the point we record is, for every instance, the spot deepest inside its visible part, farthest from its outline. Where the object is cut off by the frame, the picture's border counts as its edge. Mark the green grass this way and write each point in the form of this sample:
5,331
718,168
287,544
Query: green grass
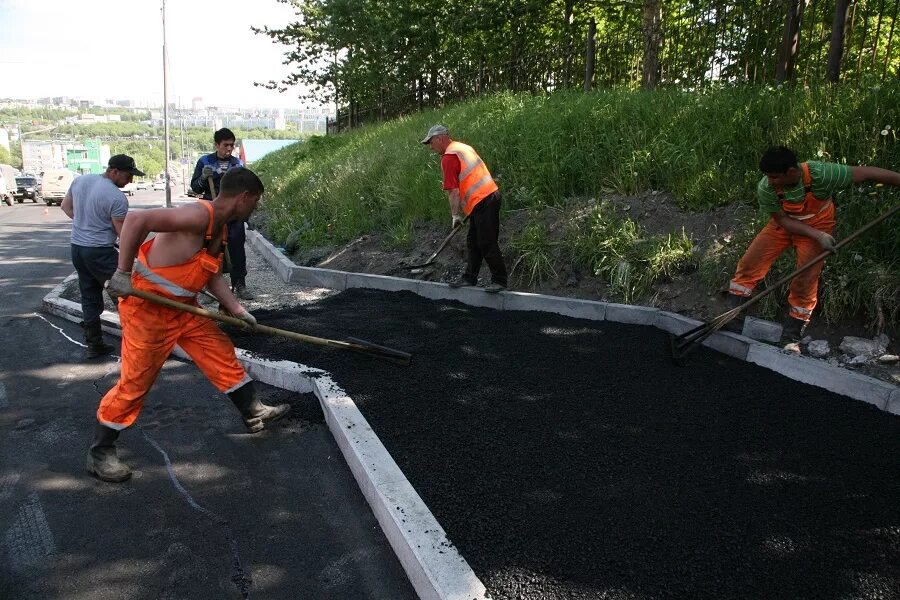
701,146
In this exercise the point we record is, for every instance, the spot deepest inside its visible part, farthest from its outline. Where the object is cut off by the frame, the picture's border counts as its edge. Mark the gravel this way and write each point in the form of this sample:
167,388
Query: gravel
571,459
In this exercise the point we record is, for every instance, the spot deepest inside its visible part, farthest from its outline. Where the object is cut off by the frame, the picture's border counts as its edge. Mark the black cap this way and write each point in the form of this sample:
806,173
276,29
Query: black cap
123,162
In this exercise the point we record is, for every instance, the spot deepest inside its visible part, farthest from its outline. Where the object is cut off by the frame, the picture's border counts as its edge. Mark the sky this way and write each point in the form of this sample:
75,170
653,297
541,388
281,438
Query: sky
99,49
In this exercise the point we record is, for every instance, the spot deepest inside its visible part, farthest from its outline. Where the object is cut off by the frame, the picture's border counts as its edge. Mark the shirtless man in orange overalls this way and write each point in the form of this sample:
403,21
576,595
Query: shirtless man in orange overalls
183,258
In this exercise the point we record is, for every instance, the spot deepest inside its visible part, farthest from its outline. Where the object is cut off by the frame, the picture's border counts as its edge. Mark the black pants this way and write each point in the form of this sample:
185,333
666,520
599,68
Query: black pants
94,266
481,241
236,238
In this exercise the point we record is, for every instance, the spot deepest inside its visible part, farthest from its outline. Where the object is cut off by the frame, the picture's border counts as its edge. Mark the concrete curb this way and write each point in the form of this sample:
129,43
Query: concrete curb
807,370
434,566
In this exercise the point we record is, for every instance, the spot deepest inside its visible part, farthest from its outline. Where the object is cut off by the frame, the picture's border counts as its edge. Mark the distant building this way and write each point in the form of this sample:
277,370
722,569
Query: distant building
197,103
91,157
253,150
41,155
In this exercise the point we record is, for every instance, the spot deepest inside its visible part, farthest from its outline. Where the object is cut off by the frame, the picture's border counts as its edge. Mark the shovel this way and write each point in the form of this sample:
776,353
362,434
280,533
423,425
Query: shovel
356,345
440,248
683,344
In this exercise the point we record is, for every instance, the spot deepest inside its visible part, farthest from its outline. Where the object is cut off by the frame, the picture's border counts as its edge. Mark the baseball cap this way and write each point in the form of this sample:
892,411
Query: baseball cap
123,162
435,130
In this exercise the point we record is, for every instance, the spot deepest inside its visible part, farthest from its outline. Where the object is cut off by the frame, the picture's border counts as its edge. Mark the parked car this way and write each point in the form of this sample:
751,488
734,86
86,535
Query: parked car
55,184
26,189
159,186
142,185
128,189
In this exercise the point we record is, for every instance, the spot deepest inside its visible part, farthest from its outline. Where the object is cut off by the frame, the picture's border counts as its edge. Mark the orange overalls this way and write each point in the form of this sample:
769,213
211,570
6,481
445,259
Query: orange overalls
150,332
773,240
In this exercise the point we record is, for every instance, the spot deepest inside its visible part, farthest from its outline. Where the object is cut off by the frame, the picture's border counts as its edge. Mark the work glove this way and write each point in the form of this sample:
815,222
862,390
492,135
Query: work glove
119,285
206,173
827,242
245,316
457,221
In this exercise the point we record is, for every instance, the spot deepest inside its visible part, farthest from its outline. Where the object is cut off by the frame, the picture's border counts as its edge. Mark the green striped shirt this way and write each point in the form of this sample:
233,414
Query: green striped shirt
827,178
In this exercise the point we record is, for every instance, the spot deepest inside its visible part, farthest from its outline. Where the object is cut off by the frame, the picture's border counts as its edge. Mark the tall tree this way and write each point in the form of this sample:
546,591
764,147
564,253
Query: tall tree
790,41
836,47
652,42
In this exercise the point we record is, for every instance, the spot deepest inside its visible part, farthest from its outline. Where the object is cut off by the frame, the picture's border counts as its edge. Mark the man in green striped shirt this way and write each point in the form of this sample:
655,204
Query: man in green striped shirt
799,198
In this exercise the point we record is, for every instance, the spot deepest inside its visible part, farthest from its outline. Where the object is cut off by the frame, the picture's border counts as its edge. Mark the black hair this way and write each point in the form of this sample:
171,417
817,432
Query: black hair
778,159
223,134
240,179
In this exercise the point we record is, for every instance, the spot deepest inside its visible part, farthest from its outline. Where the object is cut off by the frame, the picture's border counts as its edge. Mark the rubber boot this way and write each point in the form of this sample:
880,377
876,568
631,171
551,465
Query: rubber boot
793,329
96,347
240,290
102,460
736,325
255,413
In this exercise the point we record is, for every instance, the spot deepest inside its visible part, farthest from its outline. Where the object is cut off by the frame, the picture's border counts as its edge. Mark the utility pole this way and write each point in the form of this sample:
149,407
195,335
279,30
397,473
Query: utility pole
166,105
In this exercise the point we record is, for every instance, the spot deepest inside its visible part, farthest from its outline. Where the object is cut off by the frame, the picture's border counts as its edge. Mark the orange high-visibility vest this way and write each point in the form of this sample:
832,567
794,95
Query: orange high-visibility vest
810,207
475,181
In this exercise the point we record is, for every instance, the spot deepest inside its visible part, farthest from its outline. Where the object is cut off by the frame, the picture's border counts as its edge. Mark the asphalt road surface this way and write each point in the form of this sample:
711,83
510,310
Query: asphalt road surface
277,515
570,459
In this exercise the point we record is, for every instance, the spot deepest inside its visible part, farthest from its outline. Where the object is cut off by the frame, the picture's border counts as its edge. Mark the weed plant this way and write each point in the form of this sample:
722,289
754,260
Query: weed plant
702,146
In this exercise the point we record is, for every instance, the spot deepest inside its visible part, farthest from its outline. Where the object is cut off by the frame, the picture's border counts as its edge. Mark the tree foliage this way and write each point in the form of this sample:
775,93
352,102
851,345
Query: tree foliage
386,57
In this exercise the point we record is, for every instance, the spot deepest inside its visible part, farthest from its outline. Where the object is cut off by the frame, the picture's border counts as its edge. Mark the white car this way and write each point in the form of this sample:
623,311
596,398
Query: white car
142,185
159,186
128,189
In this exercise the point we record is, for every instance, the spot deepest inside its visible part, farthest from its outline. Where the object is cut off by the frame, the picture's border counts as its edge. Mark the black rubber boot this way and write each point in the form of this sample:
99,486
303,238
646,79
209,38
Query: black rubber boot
102,460
255,413
793,330
240,290
736,325
96,347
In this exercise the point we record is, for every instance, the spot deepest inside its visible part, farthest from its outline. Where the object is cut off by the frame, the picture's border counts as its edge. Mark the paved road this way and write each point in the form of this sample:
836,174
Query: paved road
276,515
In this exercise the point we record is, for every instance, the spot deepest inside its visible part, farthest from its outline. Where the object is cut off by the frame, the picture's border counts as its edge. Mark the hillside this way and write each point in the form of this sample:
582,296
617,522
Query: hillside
625,195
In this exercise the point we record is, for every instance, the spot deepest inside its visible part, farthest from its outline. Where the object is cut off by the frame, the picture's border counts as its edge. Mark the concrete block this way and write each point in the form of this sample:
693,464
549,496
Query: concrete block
284,374
762,330
893,406
732,344
313,277
467,295
367,457
579,309
821,374
434,566
276,259
673,322
381,282
635,315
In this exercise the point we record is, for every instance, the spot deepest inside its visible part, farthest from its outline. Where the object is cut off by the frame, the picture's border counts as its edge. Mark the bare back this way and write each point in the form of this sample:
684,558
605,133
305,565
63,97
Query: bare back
177,247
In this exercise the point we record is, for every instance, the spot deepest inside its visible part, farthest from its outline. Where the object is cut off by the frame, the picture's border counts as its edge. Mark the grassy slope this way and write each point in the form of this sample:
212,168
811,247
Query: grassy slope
701,146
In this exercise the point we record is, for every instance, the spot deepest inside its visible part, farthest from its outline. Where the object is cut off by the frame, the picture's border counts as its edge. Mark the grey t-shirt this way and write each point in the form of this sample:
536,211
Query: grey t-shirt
96,201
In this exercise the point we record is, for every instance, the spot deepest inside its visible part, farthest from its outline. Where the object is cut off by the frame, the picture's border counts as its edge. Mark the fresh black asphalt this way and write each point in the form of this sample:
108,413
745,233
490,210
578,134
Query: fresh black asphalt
572,459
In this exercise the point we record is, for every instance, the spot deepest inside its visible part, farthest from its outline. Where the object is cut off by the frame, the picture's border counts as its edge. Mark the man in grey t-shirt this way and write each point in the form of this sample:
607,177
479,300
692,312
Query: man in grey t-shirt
97,207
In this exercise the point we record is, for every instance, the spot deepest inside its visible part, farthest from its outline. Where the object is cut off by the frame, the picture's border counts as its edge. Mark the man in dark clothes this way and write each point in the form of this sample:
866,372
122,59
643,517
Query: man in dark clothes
471,191
215,165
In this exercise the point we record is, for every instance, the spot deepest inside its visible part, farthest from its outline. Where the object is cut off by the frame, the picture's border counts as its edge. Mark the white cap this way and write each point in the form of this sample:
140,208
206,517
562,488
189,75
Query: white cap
435,130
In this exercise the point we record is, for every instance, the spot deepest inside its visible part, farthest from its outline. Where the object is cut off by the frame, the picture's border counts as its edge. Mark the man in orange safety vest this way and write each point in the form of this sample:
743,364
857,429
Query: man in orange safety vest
472,193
